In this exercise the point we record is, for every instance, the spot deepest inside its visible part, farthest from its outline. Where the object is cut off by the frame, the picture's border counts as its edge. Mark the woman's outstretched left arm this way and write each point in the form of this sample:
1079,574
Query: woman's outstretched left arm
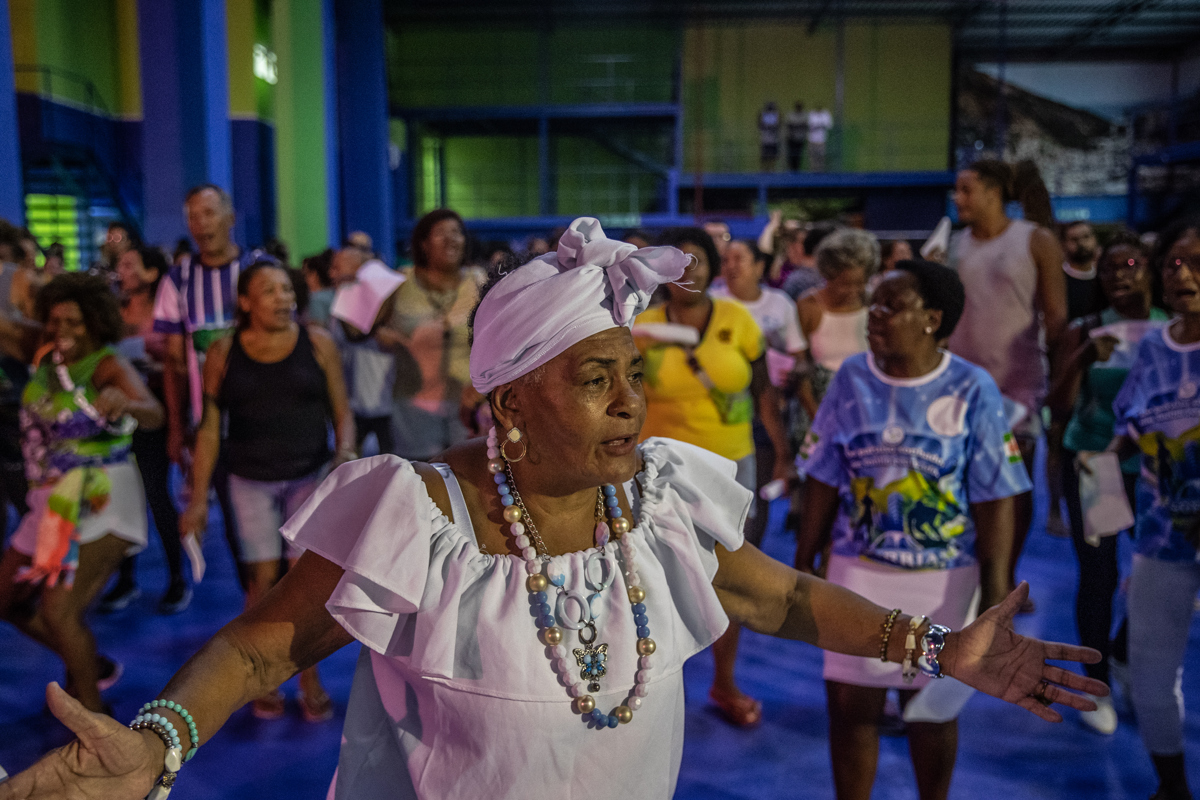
769,597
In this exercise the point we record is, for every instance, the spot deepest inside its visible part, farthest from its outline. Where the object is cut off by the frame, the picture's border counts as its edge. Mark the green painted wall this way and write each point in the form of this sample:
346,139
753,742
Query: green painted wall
897,91
301,170
83,37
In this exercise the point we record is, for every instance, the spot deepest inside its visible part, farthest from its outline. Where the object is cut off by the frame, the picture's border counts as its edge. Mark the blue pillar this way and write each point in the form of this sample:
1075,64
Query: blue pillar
362,130
12,197
185,108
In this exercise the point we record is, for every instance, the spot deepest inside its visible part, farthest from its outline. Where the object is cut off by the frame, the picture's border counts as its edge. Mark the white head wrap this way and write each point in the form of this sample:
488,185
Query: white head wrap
539,310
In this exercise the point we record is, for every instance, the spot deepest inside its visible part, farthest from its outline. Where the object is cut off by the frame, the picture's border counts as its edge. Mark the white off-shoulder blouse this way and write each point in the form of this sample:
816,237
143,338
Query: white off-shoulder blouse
454,696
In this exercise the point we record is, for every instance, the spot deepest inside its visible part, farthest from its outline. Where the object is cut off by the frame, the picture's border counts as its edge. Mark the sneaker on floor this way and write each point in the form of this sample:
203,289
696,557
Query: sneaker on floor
177,598
1104,719
108,672
119,597
269,706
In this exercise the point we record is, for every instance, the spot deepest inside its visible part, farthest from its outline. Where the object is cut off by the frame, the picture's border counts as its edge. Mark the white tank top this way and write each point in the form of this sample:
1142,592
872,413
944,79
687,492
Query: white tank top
839,336
1001,328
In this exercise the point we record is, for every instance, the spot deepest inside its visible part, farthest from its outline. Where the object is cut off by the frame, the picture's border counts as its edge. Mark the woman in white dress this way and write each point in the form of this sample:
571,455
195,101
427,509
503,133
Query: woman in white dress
526,606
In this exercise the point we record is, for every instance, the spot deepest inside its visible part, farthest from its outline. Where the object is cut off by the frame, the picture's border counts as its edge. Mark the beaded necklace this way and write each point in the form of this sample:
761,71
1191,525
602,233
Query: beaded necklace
572,609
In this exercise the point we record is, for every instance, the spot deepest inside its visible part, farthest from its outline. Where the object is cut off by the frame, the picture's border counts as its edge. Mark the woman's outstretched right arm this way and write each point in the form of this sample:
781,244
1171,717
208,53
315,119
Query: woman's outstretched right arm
288,631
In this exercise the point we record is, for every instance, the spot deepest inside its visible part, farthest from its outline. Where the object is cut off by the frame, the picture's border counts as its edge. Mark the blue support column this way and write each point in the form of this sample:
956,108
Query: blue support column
362,129
185,107
12,196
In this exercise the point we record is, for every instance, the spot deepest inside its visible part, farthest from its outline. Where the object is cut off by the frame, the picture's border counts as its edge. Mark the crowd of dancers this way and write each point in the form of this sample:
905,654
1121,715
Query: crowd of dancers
895,401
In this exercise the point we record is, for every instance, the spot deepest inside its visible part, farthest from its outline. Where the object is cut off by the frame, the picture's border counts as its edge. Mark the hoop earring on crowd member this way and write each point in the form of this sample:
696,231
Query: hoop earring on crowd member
513,437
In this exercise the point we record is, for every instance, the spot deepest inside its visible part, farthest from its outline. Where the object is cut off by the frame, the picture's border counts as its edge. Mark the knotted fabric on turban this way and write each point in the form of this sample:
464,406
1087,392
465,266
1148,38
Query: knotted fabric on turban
591,284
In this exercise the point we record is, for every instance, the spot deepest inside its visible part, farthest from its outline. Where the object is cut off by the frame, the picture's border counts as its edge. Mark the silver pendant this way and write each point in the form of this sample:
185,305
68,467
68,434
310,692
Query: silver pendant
591,658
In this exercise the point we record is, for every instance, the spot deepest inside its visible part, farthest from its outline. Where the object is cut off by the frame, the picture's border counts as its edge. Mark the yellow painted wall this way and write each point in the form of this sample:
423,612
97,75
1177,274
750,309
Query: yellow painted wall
239,22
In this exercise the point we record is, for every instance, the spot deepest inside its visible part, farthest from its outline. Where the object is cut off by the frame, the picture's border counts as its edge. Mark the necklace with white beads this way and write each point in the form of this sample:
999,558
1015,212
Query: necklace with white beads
599,574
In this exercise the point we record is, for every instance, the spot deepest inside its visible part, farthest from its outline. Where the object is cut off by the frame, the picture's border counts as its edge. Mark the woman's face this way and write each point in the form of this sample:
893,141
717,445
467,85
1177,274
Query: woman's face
901,251
739,268
1124,275
847,288
583,413
898,319
66,329
1181,274
445,245
696,276
269,300
132,273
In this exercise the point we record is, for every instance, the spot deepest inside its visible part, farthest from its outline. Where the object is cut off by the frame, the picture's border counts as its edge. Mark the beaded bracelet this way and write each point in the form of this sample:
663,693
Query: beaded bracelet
887,634
172,759
171,705
144,720
909,669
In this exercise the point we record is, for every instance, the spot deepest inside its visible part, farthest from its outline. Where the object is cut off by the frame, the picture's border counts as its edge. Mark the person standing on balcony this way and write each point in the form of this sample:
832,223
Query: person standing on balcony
819,123
768,136
797,136
196,304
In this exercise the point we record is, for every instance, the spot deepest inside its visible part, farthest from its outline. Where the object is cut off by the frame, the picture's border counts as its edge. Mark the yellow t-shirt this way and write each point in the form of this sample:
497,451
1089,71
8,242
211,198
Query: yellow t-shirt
678,405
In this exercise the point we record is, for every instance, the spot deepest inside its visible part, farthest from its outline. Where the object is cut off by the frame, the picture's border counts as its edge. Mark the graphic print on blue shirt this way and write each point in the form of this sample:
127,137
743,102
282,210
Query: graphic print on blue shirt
909,457
1159,407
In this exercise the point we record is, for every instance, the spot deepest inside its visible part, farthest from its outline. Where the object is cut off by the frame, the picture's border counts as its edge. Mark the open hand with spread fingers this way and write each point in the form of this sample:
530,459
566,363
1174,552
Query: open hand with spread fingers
990,656
107,760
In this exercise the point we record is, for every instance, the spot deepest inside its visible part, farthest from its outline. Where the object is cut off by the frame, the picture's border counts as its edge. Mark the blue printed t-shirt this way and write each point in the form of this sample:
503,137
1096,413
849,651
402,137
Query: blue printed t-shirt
1159,408
908,457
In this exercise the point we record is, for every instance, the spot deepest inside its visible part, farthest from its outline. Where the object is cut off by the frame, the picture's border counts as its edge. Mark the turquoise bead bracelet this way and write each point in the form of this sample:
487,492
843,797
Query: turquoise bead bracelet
171,705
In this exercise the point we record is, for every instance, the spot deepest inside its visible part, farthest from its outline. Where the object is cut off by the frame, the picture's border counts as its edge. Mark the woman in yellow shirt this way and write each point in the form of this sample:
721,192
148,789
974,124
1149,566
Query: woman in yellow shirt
705,387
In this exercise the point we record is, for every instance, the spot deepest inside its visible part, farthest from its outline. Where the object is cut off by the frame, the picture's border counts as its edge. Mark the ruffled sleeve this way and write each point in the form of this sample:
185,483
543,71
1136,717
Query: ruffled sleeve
374,518
698,489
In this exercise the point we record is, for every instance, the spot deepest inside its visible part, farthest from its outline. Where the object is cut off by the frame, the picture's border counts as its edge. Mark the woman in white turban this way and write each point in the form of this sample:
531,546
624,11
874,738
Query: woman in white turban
527,604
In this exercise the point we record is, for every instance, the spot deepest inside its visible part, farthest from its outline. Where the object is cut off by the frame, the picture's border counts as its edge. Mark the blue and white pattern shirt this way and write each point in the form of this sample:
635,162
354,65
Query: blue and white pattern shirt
908,457
198,301
1159,408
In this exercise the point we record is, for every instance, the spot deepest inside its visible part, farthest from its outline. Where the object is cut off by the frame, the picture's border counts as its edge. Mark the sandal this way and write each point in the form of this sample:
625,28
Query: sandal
269,706
315,707
740,710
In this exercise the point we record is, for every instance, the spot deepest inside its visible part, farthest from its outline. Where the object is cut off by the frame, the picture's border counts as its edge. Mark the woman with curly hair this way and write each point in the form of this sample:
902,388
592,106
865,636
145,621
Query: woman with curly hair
87,506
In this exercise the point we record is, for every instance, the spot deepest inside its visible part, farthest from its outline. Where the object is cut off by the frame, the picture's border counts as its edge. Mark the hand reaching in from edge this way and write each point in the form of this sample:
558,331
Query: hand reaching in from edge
990,656
107,760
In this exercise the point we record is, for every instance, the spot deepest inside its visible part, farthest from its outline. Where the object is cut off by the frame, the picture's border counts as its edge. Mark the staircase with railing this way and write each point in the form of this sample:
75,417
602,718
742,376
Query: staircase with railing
73,147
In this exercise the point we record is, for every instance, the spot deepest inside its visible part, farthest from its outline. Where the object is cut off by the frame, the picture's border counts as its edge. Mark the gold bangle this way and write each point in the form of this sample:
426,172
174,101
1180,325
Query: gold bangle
887,634
909,669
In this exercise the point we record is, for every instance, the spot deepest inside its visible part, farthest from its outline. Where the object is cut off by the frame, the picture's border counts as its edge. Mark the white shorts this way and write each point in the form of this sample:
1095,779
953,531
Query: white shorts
946,596
124,516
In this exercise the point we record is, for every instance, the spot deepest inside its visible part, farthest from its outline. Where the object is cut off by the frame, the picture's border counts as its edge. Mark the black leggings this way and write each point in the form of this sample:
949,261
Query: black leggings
150,451
1098,577
381,427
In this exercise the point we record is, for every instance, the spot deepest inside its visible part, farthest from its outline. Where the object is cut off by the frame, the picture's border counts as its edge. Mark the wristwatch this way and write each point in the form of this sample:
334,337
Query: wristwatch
932,642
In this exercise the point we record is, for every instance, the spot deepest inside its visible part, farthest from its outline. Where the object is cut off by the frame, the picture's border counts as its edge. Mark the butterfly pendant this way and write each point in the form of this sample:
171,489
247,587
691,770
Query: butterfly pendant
591,659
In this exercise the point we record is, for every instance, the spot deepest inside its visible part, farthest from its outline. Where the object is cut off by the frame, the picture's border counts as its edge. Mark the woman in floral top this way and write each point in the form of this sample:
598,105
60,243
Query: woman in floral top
87,507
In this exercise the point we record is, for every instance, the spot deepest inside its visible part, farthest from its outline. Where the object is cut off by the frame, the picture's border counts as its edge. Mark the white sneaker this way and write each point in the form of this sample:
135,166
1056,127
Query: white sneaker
1103,719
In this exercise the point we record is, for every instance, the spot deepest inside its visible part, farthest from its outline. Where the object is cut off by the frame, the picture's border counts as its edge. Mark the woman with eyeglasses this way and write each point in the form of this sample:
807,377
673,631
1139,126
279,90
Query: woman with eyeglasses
1098,351
1158,415
911,471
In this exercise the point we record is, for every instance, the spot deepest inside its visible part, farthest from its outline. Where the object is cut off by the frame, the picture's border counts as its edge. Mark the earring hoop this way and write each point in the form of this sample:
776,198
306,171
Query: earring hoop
513,437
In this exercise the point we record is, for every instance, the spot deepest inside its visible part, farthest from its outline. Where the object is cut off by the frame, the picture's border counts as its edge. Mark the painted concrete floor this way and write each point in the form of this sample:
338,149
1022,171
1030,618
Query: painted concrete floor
1004,752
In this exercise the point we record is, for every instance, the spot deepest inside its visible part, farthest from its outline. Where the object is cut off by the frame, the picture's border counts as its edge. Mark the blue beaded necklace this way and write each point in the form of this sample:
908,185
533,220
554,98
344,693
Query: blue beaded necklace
572,609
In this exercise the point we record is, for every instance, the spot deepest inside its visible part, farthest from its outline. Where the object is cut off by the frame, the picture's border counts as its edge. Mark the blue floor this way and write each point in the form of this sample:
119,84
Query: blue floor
1004,751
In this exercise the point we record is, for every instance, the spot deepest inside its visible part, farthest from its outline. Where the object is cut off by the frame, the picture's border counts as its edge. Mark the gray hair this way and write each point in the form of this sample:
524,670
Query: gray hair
845,249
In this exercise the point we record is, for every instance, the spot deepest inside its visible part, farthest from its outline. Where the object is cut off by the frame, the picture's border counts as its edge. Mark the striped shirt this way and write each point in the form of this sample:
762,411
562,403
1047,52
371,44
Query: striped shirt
197,300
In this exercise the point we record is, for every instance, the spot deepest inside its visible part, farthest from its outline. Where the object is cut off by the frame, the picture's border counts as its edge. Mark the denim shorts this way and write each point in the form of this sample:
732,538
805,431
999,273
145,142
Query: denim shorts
261,508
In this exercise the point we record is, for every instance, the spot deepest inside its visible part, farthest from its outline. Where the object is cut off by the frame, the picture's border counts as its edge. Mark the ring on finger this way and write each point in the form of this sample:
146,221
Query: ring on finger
1040,693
